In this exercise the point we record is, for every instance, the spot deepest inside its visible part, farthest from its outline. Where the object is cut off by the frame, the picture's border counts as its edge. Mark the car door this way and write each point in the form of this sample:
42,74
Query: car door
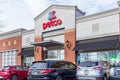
69,70
25,72
19,71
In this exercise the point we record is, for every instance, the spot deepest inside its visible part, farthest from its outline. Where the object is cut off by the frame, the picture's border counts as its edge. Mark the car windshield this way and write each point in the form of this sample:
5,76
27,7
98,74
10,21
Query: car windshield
39,65
116,65
88,64
6,67
0,68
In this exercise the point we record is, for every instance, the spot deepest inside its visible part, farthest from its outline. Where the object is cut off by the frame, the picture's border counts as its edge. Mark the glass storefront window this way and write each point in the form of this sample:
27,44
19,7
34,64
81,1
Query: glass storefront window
104,55
7,58
28,60
54,54
83,57
112,56
92,56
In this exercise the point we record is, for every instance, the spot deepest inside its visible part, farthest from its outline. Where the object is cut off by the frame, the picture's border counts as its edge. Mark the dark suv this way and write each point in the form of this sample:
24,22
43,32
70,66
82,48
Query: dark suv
52,70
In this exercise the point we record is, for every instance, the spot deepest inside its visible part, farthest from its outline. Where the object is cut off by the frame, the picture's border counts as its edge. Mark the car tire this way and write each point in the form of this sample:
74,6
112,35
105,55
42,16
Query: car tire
59,77
105,78
14,77
25,79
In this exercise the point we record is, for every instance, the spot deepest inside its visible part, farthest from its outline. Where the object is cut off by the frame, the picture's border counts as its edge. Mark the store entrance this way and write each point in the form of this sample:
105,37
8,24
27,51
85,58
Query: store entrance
28,60
57,54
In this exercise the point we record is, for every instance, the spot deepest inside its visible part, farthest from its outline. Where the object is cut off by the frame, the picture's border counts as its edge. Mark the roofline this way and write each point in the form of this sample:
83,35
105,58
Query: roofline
52,6
13,31
8,50
97,15
83,13
27,31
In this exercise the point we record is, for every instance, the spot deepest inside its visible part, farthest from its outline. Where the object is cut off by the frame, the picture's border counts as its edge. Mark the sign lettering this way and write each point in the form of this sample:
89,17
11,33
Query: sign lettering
53,21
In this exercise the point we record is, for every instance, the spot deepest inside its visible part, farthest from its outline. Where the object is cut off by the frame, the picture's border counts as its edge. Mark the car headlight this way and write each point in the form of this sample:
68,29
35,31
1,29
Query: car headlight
1,77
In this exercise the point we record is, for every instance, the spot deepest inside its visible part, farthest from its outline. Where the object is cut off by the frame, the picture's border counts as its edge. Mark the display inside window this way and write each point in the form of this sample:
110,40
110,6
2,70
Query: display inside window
9,58
28,60
54,54
112,56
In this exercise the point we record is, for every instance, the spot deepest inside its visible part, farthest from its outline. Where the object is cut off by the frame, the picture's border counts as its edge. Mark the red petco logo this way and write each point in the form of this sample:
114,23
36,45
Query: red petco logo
53,21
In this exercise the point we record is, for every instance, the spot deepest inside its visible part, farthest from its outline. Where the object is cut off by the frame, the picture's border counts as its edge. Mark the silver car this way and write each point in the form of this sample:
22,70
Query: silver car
93,70
115,72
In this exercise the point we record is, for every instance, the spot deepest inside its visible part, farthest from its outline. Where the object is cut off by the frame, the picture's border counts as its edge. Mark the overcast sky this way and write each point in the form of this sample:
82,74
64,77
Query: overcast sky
16,14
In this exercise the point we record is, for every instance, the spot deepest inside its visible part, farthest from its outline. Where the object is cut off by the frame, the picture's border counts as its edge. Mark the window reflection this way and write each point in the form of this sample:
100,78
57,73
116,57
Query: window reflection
112,56
28,60
54,54
9,58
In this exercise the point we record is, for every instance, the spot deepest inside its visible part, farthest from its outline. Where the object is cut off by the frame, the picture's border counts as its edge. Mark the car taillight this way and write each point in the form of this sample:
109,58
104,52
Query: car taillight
99,78
29,72
97,67
46,71
78,68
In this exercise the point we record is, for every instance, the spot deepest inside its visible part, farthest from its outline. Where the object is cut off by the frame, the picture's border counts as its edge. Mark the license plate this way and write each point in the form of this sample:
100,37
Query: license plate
34,73
86,72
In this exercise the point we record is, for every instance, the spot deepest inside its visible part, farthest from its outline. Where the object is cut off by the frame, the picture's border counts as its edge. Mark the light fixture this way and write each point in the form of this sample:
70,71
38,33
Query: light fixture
67,44
36,49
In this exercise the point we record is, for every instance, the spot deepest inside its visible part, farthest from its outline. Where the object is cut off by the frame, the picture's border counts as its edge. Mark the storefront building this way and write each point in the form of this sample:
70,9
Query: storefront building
15,48
98,37
55,33
10,47
27,51
65,33
91,37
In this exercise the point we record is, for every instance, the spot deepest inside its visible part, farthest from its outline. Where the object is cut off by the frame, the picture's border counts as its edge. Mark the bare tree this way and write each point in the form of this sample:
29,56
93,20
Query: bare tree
111,54
105,55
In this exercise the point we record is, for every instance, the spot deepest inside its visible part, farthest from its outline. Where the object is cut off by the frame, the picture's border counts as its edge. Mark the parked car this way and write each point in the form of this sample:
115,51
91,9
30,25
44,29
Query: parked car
13,72
93,70
115,72
52,70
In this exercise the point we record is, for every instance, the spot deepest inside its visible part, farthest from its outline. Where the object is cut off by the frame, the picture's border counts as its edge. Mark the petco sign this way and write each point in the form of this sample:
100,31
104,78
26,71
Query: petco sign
53,21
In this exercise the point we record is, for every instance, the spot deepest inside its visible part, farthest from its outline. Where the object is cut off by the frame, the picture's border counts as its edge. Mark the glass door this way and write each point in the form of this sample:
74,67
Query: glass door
54,54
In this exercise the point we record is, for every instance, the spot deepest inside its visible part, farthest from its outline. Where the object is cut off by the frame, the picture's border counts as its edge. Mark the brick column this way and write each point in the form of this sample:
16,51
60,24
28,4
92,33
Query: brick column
70,38
38,51
19,58
19,47
0,60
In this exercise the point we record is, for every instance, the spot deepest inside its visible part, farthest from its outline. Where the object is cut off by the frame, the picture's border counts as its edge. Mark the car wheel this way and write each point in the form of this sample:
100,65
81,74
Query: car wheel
14,77
24,79
105,78
59,78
